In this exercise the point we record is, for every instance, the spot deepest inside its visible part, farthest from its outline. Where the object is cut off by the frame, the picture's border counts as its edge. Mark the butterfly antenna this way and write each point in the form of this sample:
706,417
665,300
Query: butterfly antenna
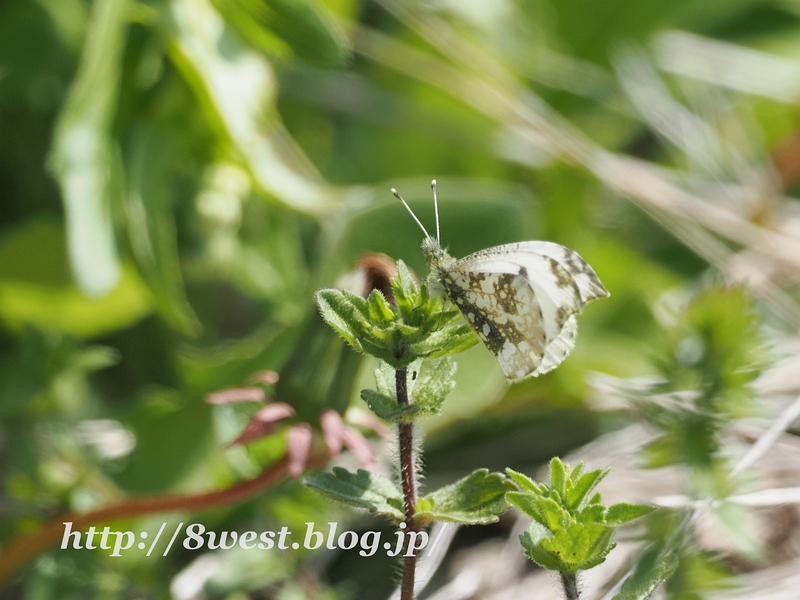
408,208
436,209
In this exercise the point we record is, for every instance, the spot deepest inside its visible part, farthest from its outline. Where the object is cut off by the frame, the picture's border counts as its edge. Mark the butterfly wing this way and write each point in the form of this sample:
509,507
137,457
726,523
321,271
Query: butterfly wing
585,278
521,300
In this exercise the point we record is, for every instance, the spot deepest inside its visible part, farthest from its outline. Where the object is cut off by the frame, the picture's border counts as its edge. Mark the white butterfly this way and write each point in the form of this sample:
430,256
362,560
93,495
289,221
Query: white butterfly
521,299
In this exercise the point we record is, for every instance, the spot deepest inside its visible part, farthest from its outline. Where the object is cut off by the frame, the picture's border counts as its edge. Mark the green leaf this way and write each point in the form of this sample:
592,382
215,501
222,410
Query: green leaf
84,158
544,510
383,406
36,288
555,516
433,384
445,341
380,350
593,513
599,559
532,540
558,477
361,306
727,323
623,512
654,567
417,329
283,28
576,495
462,338
379,311
530,504
340,313
237,87
405,290
575,472
150,224
525,483
387,408
478,498
581,546
698,573
361,489
385,379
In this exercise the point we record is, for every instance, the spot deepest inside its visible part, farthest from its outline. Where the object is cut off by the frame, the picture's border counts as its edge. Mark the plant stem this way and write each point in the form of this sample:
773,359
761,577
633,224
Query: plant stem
409,480
570,583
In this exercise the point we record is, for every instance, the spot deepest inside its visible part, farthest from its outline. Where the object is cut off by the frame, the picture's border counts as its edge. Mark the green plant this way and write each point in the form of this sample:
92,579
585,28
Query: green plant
414,335
571,529
712,354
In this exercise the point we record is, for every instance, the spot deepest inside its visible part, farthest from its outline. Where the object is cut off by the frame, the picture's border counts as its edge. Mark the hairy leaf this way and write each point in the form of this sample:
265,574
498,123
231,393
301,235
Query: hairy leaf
362,489
478,498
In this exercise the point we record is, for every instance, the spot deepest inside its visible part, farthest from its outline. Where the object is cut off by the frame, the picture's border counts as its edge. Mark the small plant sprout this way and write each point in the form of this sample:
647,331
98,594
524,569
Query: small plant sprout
571,530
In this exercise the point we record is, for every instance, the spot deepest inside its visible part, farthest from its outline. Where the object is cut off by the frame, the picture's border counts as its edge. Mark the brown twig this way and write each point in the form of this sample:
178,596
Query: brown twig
28,545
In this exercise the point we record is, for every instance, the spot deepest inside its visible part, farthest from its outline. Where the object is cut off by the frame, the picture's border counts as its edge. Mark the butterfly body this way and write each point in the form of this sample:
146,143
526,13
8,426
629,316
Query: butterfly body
520,299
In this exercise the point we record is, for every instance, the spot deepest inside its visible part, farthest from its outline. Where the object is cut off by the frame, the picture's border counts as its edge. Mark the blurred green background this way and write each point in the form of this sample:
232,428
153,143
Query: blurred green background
177,177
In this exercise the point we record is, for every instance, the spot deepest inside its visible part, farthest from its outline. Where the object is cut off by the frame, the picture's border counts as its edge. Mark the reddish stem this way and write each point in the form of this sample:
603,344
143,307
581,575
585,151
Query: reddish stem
409,481
28,545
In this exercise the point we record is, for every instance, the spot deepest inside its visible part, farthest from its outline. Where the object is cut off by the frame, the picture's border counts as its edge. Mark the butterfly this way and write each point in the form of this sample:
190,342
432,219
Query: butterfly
521,299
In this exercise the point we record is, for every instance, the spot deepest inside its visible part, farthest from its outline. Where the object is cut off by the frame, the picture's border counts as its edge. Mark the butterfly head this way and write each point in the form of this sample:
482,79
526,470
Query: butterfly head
437,257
